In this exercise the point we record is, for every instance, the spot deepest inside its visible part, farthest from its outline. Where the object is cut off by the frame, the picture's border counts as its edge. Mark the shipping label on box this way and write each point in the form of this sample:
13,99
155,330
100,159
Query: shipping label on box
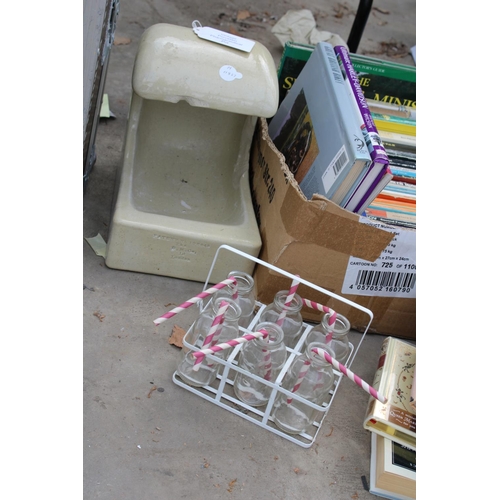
393,274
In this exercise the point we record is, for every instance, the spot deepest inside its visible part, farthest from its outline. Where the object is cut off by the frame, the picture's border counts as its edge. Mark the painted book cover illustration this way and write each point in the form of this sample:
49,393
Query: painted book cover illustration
397,419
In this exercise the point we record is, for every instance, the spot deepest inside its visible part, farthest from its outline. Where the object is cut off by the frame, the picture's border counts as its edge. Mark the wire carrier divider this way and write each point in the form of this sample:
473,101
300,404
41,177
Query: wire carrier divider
221,392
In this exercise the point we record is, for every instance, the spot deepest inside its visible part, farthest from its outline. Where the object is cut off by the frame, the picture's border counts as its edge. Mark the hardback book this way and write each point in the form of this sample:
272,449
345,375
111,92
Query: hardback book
316,130
380,160
393,469
293,59
396,419
381,80
360,201
387,81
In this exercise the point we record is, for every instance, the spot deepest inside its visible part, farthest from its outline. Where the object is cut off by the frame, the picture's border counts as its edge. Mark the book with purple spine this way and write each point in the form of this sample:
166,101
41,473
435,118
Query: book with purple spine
385,176
380,160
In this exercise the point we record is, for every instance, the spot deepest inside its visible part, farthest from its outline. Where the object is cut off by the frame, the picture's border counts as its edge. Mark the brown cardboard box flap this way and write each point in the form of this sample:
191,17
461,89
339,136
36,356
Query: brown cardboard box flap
316,239
282,205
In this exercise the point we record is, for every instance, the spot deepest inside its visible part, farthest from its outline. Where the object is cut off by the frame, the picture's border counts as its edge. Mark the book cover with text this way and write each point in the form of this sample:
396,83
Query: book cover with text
316,130
380,160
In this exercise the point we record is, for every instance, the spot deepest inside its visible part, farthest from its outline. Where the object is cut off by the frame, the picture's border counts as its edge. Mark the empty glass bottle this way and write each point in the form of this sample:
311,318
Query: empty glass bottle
334,336
292,323
245,298
311,377
261,357
207,370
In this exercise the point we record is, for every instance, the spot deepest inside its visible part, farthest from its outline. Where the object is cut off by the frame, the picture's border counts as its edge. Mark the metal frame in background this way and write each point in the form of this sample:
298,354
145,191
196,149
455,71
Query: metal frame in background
358,26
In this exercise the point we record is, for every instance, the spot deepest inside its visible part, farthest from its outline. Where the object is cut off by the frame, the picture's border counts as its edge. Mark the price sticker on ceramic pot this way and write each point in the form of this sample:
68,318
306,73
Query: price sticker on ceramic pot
393,274
223,38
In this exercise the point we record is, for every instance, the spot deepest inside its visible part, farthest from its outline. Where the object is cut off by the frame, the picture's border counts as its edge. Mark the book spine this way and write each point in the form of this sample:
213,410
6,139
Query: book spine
396,124
350,124
389,69
392,109
374,190
377,150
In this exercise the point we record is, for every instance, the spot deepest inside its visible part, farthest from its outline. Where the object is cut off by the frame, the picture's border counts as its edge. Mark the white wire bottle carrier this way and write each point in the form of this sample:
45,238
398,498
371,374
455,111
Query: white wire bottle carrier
221,392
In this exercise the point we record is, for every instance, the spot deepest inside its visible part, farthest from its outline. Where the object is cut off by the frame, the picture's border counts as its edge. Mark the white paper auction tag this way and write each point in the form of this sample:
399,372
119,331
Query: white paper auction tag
213,35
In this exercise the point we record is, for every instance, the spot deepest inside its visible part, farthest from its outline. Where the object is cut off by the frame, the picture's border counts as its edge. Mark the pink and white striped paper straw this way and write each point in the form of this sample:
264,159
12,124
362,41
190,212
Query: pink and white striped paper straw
288,301
215,329
331,319
230,343
352,376
268,364
194,300
214,332
302,373
234,289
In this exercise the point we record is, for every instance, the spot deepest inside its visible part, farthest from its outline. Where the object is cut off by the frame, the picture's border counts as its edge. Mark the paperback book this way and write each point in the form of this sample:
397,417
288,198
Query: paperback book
393,469
392,109
397,124
400,161
316,130
404,174
398,142
379,167
396,419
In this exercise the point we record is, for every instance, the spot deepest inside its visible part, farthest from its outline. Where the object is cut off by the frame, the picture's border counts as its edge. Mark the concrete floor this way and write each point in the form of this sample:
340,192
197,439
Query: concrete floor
145,437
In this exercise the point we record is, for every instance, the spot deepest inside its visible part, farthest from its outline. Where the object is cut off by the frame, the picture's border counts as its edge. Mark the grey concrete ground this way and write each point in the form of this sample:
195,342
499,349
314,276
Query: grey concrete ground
145,437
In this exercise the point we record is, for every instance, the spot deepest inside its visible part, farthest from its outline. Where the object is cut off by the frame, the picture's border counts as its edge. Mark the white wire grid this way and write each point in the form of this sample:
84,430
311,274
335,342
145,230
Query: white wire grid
221,392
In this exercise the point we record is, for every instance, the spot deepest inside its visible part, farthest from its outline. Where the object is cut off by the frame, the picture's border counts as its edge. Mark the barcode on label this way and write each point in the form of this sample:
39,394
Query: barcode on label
339,162
333,170
386,278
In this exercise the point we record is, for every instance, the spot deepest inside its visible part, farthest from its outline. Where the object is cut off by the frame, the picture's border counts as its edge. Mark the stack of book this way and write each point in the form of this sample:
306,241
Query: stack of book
396,204
319,133
393,425
333,122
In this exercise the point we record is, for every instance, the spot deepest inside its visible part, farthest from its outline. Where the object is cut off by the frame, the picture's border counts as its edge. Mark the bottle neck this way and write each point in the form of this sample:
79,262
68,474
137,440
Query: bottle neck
274,338
316,359
245,282
295,305
340,328
232,313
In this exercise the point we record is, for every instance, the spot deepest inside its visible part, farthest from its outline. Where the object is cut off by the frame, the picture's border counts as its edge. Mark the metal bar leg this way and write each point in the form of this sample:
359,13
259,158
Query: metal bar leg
358,26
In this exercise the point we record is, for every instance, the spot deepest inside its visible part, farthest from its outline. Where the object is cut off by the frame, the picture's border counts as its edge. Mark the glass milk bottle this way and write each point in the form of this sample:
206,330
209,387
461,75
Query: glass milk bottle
292,323
264,358
245,298
206,371
334,336
311,377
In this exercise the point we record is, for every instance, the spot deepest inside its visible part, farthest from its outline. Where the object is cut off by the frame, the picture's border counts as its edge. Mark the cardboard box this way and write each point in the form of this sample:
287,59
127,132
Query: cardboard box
327,245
